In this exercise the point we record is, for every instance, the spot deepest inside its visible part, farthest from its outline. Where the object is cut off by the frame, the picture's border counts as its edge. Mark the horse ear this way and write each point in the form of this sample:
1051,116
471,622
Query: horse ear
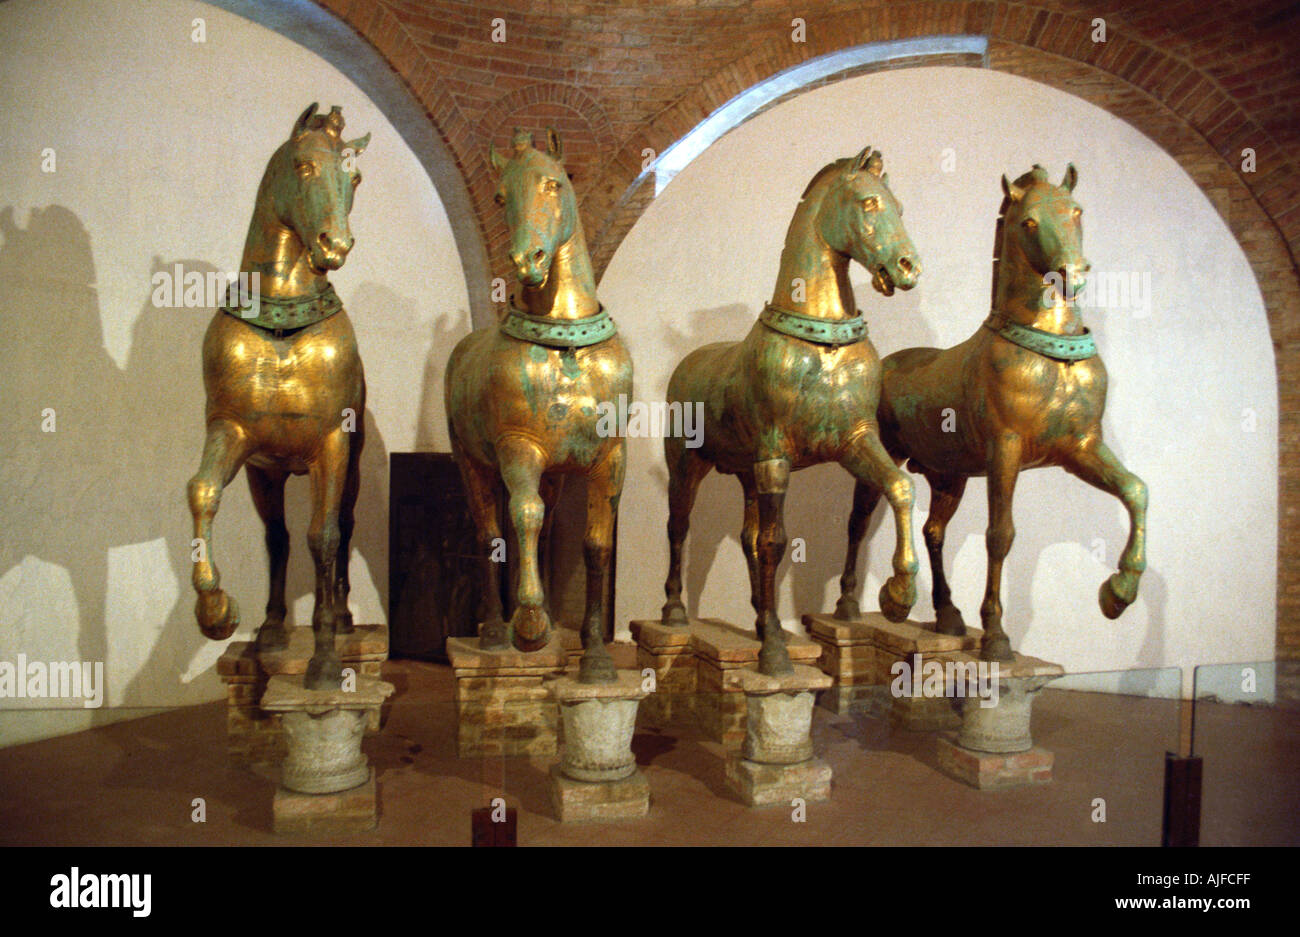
1071,177
498,161
860,161
300,125
553,148
357,145
1011,190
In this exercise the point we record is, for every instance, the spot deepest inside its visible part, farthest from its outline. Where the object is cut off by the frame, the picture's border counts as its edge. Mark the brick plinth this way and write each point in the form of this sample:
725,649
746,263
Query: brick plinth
504,703
625,799
760,785
254,736
989,771
353,811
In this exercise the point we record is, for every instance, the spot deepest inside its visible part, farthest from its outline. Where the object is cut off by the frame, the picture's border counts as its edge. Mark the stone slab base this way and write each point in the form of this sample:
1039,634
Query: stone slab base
254,736
760,785
988,771
504,704
353,811
628,799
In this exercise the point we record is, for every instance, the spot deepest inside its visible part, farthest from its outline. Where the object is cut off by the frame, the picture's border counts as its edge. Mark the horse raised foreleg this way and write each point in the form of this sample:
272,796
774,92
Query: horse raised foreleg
481,492
772,478
865,498
945,496
224,451
522,463
604,485
328,476
868,462
686,470
1097,465
1004,467
267,488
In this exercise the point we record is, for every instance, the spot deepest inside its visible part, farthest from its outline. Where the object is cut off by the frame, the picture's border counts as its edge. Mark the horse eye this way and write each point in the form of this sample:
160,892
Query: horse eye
1030,224
305,168
871,203
1078,213
499,199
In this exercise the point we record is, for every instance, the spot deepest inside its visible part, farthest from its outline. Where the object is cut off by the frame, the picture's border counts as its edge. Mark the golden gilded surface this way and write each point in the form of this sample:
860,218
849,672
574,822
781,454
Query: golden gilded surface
991,407
523,413
290,401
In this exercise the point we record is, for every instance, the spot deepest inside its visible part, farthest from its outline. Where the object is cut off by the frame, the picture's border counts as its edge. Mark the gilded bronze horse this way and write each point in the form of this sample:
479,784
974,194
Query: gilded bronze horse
800,390
1026,390
523,400
285,388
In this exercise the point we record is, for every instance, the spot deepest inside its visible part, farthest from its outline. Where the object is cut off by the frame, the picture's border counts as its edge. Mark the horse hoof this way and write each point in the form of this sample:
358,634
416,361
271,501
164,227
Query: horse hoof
890,608
997,648
674,615
948,620
774,659
217,614
272,637
324,672
597,667
531,627
847,609
494,636
1111,602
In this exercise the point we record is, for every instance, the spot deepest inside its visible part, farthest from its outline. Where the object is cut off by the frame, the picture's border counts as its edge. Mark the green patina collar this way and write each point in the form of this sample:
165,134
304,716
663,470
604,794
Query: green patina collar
559,333
278,315
1047,344
814,329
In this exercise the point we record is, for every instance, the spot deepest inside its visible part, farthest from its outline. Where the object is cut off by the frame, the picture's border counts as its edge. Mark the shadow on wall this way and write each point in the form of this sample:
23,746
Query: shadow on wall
114,472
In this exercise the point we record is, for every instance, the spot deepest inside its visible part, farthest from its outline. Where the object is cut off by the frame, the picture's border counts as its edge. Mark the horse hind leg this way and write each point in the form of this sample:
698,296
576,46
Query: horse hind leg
865,498
224,451
328,478
1099,467
604,486
481,492
945,497
267,489
1003,470
347,524
686,469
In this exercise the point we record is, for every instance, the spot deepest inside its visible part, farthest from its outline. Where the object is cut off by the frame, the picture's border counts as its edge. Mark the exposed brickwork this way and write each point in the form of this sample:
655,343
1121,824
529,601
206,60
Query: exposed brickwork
1205,80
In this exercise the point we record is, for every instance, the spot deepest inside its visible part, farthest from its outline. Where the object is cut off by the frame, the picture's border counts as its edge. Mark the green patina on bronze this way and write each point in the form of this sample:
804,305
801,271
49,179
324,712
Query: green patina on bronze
799,390
559,333
1026,390
278,314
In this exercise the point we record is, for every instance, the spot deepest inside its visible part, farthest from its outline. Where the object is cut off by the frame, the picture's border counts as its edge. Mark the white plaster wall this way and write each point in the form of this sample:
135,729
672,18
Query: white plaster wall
1186,381
160,143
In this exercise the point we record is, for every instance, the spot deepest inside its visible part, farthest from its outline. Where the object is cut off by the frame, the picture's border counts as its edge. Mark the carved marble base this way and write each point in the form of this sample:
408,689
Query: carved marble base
776,761
597,777
504,704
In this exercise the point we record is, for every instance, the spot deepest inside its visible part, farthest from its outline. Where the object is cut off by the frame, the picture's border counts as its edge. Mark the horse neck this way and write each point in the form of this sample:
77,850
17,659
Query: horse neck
570,288
1018,294
824,271
274,251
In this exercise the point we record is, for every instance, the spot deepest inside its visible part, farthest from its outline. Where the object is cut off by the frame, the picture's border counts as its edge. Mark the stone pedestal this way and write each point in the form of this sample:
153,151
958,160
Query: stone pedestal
994,749
504,704
253,735
776,763
696,660
597,777
861,655
324,766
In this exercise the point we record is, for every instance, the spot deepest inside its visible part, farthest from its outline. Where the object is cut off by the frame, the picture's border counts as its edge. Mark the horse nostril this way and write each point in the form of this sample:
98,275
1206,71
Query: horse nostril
538,256
905,264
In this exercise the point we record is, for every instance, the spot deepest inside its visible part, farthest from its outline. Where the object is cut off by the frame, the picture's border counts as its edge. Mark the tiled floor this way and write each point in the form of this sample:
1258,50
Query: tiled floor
134,782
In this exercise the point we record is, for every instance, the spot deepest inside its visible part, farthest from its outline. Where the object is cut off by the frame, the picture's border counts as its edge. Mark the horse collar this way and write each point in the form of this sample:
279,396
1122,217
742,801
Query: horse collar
559,333
1048,344
280,314
833,332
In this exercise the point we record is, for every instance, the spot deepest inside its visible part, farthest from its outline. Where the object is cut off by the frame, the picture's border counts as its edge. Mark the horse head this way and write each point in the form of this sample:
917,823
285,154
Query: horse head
860,217
1043,224
311,180
541,210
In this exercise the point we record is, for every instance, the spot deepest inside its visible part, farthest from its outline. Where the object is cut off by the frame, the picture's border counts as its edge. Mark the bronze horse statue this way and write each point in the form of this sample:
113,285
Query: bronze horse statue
285,389
801,389
1026,390
523,400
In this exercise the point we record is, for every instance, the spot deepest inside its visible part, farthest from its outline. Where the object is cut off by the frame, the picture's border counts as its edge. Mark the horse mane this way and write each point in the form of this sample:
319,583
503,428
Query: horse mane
822,174
1037,174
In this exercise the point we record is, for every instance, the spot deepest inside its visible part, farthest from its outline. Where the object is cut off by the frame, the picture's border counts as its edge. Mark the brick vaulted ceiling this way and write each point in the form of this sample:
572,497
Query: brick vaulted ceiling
1205,80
